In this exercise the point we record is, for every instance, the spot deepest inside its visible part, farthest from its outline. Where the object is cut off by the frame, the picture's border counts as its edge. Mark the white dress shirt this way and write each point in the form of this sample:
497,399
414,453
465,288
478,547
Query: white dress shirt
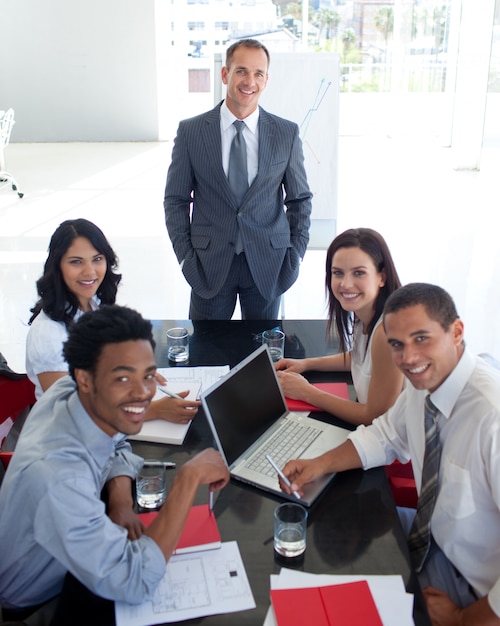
250,133
466,518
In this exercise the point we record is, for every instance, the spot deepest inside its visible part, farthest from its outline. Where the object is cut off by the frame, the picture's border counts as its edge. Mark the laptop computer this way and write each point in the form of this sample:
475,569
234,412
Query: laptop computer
248,416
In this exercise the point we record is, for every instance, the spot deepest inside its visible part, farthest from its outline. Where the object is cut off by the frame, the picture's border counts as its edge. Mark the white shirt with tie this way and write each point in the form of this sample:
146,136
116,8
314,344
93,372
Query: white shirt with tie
251,135
466,519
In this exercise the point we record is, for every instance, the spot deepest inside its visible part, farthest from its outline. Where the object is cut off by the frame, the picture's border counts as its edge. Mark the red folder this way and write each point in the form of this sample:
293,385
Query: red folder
200,531
336,389
348,604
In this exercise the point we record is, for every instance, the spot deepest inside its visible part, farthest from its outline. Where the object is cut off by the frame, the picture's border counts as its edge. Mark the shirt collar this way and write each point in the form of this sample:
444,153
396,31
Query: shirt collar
99,444
447,394
227,118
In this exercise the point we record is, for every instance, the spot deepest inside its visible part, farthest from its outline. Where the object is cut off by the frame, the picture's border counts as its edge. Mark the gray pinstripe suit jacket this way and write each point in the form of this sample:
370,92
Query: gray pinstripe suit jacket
203,218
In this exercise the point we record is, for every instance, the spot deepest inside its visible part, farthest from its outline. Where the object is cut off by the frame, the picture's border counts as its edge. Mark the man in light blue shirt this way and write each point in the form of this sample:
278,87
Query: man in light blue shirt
73,445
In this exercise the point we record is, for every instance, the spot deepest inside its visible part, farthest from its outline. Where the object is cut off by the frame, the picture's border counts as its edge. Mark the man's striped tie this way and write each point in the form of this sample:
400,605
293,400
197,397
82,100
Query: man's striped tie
420,533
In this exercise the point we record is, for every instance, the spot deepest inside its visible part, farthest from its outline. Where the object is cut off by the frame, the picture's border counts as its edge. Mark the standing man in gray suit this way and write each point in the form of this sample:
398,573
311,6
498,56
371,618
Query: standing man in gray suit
251,247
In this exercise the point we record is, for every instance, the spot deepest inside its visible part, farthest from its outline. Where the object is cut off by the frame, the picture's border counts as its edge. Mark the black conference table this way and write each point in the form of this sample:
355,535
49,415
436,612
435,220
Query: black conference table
352,529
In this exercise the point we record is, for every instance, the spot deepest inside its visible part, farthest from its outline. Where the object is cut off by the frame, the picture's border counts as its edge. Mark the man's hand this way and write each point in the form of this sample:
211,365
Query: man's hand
120,505
444,612
206,468
210,469
126,517
302,471
299,472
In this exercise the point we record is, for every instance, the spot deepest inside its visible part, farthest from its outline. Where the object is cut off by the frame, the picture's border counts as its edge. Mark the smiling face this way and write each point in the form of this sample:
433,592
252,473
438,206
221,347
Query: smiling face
356,282
117,394
83,269
421,348
246,78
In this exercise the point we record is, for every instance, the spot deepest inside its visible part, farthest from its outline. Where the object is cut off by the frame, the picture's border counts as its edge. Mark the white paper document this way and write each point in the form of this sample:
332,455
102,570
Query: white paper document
196,379
194,585
394,604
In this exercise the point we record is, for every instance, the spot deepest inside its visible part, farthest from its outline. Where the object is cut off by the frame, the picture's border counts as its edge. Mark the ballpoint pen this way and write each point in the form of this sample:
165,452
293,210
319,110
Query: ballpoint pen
170,393
282,476
164,464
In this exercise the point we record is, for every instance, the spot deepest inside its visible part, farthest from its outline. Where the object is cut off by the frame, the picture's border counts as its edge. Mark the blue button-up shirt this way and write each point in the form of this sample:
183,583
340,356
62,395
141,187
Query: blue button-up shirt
52,519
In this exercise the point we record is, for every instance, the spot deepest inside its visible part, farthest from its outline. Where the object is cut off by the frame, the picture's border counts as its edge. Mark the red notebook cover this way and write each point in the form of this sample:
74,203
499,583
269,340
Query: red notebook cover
200,531
336,389
348,604
297,607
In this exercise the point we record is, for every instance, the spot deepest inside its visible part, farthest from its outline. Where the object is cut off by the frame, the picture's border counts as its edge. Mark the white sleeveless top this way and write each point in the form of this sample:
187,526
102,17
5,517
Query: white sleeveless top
44,346
361,360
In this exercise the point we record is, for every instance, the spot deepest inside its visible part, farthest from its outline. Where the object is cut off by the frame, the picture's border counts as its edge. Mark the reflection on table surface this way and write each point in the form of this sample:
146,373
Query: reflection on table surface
229,342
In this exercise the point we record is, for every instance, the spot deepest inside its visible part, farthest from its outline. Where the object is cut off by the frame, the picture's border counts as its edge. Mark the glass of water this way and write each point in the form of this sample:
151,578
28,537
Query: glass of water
151,487
275,341
290,526
178,345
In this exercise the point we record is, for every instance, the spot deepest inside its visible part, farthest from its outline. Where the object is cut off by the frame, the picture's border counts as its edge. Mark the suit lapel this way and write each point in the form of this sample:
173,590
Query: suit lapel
266,145
211,138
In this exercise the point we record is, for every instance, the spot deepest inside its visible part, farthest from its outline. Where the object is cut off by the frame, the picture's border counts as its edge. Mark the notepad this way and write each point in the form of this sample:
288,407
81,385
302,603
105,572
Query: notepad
200,531
348,604
179,379
336,389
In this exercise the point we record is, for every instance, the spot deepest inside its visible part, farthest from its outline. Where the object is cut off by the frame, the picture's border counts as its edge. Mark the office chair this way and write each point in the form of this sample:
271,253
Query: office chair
17,396
6,124
402,484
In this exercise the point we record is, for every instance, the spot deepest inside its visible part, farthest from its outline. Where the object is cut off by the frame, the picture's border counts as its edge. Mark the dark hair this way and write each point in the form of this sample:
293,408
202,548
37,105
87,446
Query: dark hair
375,246
95,329
246,43
437,302
56,300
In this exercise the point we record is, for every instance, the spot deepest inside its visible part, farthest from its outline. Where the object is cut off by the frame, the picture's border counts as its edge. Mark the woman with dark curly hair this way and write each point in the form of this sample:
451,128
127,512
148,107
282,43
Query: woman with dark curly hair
360,276
79,275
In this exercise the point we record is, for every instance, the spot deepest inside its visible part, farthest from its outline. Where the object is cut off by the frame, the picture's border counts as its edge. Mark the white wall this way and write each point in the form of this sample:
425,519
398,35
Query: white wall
79,71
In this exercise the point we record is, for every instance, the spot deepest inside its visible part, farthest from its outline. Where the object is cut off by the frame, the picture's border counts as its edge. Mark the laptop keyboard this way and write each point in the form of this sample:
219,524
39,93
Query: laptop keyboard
287,443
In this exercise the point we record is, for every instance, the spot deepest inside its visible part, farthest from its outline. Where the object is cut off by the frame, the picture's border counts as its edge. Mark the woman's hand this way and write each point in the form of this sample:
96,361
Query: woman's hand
173,410
291,365
294,386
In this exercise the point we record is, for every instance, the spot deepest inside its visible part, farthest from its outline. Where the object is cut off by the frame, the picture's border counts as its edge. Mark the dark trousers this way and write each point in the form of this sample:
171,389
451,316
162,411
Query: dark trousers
239,283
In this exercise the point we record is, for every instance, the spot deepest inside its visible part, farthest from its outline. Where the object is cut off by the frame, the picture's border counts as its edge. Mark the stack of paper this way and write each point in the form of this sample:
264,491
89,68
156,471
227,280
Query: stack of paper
196,379
194,585
346,600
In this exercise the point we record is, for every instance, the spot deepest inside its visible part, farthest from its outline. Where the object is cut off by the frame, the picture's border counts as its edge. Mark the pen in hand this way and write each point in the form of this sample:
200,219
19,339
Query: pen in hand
171,394
282,476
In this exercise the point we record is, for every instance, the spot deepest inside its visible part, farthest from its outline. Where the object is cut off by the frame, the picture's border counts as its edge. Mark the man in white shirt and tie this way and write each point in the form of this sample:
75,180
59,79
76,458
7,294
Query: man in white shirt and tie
460,572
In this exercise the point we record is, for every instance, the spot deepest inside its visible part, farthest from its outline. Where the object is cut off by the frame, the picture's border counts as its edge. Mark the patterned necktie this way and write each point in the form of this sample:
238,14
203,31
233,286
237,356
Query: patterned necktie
420,533
238,172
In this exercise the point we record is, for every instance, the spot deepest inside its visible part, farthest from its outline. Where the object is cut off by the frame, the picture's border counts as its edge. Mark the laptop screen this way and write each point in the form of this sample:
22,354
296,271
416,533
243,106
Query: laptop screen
245,403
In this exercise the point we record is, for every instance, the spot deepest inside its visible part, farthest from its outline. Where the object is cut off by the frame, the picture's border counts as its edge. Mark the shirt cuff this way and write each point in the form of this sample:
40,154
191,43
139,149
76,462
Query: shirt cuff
494,598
